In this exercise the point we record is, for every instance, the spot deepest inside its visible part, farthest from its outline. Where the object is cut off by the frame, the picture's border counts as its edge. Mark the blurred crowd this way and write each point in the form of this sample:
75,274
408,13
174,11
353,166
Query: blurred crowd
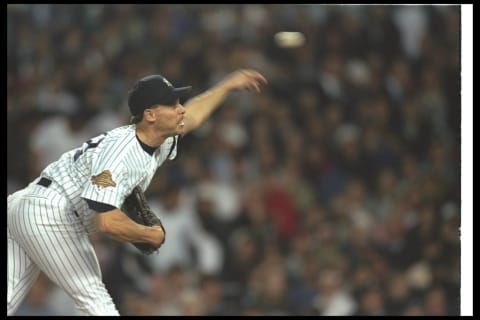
335,191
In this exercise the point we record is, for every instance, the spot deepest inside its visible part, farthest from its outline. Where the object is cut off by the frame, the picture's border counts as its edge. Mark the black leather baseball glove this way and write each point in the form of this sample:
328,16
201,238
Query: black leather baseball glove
136,207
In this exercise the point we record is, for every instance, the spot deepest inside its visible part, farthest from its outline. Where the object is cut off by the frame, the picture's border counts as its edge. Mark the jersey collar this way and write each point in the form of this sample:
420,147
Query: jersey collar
146,148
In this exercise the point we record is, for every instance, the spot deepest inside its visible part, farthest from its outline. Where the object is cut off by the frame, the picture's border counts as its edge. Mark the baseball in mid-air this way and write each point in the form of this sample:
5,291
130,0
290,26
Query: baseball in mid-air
289,39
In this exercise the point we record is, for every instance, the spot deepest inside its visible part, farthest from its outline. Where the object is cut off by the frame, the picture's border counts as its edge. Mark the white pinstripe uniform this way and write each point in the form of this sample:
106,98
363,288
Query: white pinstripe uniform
49,221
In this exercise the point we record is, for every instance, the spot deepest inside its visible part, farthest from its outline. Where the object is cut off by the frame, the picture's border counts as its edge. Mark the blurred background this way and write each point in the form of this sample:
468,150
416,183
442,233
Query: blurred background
335,191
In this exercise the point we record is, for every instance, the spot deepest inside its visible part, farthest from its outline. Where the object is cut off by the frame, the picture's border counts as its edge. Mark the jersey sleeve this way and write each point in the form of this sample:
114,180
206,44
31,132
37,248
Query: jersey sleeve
107,185
99,206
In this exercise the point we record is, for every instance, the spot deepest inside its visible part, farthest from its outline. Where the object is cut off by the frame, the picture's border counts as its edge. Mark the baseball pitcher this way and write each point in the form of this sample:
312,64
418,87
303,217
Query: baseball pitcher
98,187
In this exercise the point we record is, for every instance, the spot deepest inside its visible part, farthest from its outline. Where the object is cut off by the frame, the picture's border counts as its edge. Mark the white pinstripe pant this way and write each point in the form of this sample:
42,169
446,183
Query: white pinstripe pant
44,235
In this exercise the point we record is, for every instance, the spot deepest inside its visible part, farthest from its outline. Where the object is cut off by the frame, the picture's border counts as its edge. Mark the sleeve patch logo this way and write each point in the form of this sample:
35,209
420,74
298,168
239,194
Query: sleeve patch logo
103,179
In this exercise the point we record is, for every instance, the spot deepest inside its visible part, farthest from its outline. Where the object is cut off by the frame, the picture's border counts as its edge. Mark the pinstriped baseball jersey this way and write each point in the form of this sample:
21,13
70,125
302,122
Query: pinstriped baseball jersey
106,169
48,221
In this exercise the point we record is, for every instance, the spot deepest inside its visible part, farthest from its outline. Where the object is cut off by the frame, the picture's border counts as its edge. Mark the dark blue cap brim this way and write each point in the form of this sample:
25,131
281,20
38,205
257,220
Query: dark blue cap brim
180,91
176,93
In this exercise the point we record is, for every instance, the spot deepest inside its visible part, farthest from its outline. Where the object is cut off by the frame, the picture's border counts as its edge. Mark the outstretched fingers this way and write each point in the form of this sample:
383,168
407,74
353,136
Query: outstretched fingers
254,79
255,75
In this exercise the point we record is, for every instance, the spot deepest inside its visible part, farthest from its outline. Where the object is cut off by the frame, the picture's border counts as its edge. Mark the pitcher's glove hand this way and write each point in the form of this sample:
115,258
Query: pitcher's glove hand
136,208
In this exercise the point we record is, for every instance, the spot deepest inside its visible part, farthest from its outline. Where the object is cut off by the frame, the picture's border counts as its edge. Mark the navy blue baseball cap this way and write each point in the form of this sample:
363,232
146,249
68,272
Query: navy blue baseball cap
152,90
